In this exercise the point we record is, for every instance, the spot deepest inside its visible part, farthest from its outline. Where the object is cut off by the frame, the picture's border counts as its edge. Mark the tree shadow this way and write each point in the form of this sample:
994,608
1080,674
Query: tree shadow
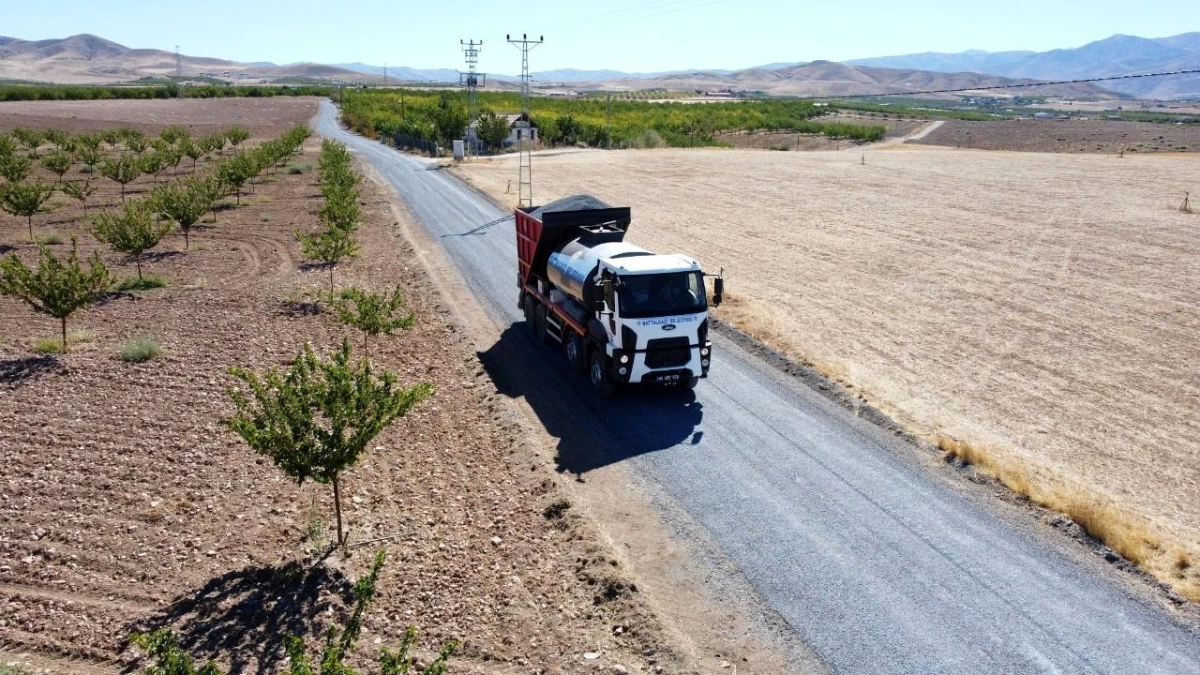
593,432
5,248
15,372
244,615
159,256
297,309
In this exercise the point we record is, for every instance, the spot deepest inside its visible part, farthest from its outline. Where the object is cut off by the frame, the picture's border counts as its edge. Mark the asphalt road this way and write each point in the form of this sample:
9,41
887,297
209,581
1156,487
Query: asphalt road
875,564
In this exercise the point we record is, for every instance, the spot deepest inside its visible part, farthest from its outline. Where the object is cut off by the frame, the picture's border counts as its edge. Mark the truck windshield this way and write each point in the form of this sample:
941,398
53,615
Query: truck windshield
647,295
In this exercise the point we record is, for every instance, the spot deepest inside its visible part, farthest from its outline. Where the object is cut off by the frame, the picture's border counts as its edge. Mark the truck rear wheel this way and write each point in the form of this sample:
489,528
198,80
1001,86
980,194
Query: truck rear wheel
574,350
539,323
529,305
600,376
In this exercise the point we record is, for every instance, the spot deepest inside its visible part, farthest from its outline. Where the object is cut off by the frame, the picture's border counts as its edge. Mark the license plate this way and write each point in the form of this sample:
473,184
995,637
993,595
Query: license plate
666,378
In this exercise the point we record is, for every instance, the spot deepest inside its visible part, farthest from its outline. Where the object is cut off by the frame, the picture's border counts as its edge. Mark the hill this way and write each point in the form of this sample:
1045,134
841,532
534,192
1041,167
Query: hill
88,59
827,78
1112,56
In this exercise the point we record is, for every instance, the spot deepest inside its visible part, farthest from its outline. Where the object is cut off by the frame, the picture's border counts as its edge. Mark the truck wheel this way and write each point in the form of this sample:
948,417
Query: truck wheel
539,323
691,383
601,379
574,349
529,305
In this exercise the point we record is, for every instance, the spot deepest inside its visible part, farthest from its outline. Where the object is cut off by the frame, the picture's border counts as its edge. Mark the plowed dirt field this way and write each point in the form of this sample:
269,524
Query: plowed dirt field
125,504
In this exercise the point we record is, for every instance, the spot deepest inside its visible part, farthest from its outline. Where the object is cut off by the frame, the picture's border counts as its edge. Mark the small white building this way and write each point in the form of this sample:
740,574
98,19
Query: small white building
520,126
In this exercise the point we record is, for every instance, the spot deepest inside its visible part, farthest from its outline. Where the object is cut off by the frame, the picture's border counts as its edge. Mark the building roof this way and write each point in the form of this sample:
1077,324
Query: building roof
522,117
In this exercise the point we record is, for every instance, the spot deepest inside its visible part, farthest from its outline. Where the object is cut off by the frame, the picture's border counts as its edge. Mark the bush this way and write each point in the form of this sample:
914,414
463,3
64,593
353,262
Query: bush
50,240
140,349
297,169
646,140
48,346
144,283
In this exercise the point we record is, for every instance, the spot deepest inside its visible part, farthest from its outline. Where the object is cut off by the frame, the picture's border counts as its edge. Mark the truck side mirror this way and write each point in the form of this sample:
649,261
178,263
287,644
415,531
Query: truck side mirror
718,291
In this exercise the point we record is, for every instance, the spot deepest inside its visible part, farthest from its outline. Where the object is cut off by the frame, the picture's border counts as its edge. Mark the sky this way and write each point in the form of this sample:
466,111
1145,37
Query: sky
627,35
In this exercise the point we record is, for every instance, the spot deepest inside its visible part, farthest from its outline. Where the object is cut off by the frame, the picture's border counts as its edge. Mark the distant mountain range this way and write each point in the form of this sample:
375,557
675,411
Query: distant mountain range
1117,55
87,59
83,59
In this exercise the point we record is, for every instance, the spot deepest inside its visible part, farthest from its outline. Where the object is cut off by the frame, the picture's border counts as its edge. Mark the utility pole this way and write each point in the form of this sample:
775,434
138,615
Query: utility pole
385,74
525,140
178,63
608,121
471,80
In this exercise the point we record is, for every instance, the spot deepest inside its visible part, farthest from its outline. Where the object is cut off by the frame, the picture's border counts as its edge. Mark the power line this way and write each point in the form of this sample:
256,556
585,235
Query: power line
1193,71
525,140
470,80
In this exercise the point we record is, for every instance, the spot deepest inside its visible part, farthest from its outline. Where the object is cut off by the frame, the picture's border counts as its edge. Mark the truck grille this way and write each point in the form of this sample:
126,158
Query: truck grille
668,352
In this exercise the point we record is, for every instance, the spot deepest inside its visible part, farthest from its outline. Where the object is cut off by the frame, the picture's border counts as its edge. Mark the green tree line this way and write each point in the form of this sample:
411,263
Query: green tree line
441,116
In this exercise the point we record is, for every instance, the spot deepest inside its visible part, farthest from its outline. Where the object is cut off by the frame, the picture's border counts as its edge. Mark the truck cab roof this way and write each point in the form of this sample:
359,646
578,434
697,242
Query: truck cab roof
648,263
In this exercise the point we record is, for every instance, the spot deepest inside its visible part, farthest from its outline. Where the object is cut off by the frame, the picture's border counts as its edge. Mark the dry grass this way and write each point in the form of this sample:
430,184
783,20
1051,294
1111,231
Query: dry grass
1133,537
1041,306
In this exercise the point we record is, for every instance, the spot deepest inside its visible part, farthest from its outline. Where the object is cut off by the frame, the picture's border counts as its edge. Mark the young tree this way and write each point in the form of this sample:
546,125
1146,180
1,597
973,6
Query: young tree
316,420
152,163
15,168
59,138
7,146
184,202
214,143
340,210
135,139
450,118
111,137
90,141
56,288
236,135
328,248
58,163
172,156
29,139
124,169
374,314
492,130
80,190
235,171
131,231
175,134
88,156
194,151
25,199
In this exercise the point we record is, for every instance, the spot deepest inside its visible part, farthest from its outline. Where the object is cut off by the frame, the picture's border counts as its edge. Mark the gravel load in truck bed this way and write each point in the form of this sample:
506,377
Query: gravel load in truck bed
572,203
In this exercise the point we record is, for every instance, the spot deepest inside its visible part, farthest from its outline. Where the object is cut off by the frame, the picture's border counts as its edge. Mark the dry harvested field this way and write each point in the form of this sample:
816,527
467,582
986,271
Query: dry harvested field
1091,136
1043,307
125,504
263,117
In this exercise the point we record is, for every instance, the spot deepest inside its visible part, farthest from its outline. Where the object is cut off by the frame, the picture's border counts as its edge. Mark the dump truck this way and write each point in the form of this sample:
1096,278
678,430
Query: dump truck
621,313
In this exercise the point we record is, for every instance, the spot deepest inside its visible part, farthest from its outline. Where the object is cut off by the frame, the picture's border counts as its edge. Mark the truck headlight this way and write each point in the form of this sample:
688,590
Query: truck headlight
623,370
704,351
704,362
624,359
